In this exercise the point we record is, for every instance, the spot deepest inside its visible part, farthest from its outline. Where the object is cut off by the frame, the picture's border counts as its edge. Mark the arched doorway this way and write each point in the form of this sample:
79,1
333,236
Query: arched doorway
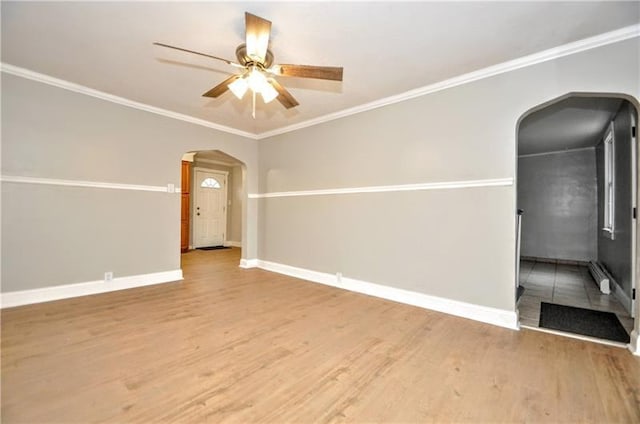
213,203
577,192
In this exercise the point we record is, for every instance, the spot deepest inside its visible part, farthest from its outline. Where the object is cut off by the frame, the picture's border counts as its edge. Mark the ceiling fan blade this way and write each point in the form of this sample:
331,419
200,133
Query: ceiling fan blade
221,88
284,96
200,54
332,73
257,31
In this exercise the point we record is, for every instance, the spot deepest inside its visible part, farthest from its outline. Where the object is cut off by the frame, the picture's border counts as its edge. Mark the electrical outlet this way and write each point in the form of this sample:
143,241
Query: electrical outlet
171,188
108,276
339,277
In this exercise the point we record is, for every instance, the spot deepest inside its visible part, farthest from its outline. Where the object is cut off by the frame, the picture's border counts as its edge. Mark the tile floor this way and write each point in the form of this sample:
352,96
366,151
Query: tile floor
570,285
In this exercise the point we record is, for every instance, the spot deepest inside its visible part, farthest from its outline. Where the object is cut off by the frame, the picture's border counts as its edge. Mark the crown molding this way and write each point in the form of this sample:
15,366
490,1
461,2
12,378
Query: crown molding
511,65
67,85
611,37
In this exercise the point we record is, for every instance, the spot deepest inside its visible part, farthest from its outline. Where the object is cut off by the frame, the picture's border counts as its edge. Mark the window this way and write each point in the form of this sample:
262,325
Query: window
609,181
210,183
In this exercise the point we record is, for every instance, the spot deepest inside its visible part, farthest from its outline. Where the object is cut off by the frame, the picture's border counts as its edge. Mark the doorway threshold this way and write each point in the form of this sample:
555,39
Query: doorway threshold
576,336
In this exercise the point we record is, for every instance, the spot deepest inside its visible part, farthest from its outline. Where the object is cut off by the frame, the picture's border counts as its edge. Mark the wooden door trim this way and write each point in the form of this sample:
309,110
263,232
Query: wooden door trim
185,200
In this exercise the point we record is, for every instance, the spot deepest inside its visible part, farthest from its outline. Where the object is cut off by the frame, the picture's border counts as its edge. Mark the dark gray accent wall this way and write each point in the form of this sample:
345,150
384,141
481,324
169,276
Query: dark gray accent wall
559,196
616,254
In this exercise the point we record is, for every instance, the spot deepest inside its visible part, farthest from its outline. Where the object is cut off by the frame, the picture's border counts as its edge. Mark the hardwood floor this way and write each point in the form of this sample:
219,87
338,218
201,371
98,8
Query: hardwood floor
234,345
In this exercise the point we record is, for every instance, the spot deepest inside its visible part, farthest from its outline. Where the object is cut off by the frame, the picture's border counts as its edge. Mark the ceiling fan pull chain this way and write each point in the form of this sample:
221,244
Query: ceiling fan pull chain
254,104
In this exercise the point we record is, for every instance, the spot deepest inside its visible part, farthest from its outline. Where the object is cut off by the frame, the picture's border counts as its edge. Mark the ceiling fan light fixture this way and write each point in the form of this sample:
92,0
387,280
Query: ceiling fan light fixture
257,80
256,61
239,87
269,93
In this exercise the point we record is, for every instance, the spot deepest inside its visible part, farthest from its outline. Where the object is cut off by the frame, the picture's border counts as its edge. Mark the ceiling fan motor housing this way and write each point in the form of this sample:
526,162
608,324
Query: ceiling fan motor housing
258,69
245,60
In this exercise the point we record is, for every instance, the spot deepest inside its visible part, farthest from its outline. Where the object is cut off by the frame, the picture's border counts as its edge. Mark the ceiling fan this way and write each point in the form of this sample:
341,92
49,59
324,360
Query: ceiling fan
258,70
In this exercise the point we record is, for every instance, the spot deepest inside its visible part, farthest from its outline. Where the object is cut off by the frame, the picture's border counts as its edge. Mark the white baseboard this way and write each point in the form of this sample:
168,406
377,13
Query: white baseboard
499,317
248,263
47,294
634,343
231,243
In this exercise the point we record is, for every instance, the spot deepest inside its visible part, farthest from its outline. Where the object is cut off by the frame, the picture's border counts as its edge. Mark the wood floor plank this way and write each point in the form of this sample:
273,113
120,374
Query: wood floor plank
249,346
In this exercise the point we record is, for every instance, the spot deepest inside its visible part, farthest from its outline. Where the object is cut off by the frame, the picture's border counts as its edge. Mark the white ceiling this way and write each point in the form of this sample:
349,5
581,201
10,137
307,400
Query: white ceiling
572,123
386,48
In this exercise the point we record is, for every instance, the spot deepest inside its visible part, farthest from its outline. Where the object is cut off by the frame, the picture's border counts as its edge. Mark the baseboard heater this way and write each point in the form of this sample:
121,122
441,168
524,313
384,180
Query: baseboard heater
600,276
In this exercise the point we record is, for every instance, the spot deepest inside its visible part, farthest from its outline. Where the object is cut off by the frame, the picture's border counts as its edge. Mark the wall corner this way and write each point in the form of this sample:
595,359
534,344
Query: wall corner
634,345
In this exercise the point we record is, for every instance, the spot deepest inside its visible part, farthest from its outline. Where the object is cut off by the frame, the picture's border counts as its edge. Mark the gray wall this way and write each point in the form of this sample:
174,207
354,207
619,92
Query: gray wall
53,235
237,196
61,235
616,254
459,243
559,197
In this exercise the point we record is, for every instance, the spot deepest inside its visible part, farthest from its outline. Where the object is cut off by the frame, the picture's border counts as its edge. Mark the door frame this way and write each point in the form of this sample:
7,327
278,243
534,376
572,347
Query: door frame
634,205
194,198
634,343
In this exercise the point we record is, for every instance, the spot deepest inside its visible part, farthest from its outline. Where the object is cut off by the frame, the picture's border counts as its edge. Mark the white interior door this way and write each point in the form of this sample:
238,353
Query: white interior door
209,208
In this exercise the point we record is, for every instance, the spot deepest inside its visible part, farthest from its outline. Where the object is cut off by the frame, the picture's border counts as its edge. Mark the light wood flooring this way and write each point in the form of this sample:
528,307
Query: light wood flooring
234,345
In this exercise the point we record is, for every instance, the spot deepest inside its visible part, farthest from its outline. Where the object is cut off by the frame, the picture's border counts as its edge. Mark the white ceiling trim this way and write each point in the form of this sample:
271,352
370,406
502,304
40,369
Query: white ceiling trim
546,55
67,85
543,56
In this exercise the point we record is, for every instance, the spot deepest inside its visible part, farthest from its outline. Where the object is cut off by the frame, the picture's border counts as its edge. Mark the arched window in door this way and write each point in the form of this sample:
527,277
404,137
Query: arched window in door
210,183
